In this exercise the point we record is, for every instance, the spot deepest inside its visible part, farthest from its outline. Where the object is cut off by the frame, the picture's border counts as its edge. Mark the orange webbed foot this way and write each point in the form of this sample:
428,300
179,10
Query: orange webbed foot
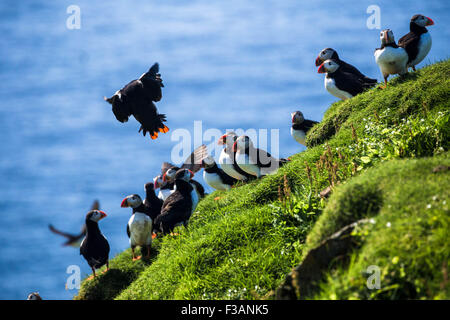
165,129
137,258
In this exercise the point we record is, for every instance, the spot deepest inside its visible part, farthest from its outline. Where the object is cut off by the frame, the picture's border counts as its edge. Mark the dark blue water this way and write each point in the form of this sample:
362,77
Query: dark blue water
231,64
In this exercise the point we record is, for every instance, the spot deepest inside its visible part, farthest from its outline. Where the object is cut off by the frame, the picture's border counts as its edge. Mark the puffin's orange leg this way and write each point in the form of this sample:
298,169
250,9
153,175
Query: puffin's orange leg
137,258
164,130
154,235
154,136
216,198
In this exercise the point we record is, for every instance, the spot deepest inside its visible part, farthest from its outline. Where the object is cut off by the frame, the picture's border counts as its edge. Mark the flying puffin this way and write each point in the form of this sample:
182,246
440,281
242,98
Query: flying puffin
179,206
255,161
215,177
74,240
34,296
227,158
329,53
300,127
136,99
417,42
139,227
390,57
342,84
95,247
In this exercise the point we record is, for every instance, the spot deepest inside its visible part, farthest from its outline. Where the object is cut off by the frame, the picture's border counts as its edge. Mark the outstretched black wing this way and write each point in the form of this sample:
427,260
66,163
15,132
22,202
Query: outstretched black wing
194,161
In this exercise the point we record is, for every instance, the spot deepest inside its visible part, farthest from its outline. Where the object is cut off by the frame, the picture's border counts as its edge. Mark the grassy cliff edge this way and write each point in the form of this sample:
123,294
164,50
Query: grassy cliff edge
384,154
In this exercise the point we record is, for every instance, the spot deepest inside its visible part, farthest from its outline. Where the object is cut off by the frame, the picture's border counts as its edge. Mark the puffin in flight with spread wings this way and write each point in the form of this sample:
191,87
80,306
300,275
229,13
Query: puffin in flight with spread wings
74,240
136,99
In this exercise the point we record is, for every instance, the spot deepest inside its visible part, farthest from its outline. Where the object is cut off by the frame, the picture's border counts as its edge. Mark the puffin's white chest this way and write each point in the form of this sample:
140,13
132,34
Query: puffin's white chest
226,163
140,226
299,136
164,193
424,47
214,181
391,60
331,87
244,162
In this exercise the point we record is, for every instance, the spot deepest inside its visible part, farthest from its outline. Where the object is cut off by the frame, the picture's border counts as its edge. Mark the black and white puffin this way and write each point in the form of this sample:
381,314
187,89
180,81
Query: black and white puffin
227,158
136,99
95,247
139,226
300,127
166,180
179,206
417,42
215,177
329,53
254,161
390,57
341,84
171,173
74,240
34,296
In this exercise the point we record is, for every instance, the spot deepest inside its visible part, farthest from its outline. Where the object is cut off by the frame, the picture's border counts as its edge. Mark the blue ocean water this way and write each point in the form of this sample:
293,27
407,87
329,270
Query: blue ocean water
231,64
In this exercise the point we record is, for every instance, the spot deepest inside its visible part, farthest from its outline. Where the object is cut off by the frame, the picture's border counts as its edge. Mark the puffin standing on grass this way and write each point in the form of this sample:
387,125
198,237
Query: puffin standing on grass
342,84
215,177
139,227
300,127
179,206
417,42
136,99
227,158
390,57
171,173
329,53
74,240
95,247
254,161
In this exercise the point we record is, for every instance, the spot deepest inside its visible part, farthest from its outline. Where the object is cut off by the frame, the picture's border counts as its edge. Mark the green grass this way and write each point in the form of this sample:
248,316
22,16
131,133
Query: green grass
376,150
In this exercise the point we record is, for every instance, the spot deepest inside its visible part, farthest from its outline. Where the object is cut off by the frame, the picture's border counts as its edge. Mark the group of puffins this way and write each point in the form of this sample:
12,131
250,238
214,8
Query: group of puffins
240,160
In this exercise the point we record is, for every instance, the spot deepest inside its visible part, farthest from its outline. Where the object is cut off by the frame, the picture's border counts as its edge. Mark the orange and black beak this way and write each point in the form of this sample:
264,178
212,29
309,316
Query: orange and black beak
318,62
102,214
124,203
321,69
429,22
386,38
164,177
192,173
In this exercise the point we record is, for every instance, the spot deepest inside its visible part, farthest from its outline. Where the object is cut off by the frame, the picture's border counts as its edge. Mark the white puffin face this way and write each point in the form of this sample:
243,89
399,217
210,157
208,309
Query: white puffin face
242,143
157,182
387,36
96,215
330,66
209,161
422,21
169,175
227,139
326,54
184,174
133,200
297,117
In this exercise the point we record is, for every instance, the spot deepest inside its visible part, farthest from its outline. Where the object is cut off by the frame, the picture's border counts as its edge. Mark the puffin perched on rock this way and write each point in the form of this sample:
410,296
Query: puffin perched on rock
227,159
139,227
95,247
342,84
215,177
136,99
74,240
417,42
179,206
329,53
254,161
300,127
390,57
